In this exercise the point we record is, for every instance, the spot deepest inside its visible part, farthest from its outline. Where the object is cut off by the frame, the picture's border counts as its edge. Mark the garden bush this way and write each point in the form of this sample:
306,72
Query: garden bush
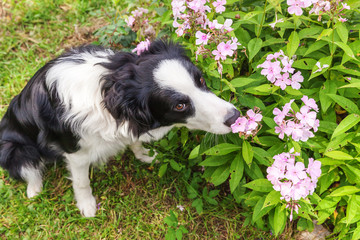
292,68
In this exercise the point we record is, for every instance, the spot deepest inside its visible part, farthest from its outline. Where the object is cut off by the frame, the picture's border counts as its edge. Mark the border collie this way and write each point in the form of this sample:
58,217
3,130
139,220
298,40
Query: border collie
92,102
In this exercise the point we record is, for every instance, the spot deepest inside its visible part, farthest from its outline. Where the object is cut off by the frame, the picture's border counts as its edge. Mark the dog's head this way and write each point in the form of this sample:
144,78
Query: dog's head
162,87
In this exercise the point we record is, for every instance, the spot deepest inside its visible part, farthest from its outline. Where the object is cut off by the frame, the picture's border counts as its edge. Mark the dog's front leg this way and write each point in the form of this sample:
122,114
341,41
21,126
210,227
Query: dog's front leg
80,177
141,153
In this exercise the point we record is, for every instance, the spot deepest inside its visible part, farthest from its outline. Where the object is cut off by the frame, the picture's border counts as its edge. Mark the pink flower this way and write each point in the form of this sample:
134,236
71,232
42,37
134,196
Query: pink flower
272,25
202,38
318,64
218,55
314,169
296,79
178,7
297,125
296,172
345,6
239,125
130,21
282,81
248,125
310,103
281,130
306,117
199,6
295,7
292,179
227,25
253,119
225,48
271,70
142,46
219,6
342,19
287,65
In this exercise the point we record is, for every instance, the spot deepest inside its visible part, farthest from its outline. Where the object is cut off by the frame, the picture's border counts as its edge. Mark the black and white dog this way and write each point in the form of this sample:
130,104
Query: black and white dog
91,102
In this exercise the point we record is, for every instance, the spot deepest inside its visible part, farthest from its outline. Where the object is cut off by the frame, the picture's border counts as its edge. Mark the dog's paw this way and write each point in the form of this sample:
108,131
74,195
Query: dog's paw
87,206
144,157
33,190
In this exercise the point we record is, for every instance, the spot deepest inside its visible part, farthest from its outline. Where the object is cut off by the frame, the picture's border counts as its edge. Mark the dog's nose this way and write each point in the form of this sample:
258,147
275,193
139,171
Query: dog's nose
231,117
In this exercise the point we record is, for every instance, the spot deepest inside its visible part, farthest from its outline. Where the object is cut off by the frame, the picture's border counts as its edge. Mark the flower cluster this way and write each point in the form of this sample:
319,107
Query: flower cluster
319,7
138,21
297,125
278,70
191,17
248,125
142,46
292,179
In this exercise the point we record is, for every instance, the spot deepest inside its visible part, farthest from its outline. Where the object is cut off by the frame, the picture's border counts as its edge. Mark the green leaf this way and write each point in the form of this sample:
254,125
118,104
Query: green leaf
310,32
346,70
305,63
352,208
247,152
293,44
229,85
220,175
342,31
346,49
214,161
236,171
347,123
315,46
339,155
222,149
279,220
272,198
260,185
264,89
326,101
162,170
356,234
198,205
254,47
259,211
262,156
328,202
175,165
195,152
241,82
344,191
340,141
352,85
352,173
345,103
324,33
178,234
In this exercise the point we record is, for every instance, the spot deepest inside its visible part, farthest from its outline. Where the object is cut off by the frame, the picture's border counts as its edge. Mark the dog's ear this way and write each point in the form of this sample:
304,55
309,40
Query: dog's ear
126,98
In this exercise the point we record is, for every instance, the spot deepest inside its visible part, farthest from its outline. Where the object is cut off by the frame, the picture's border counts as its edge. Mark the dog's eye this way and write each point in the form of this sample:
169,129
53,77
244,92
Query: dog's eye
202,81
180,106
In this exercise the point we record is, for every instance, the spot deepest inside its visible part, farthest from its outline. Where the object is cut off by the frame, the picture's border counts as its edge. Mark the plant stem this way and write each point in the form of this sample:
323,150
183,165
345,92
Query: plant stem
262,20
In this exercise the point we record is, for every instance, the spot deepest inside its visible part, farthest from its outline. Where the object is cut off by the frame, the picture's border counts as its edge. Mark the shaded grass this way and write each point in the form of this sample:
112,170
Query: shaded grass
132,200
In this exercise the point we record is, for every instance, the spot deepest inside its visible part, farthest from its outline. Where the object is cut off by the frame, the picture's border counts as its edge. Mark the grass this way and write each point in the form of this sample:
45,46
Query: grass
133,201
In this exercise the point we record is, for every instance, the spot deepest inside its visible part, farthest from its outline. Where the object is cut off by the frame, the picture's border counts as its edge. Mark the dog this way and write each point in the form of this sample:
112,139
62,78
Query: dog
92,102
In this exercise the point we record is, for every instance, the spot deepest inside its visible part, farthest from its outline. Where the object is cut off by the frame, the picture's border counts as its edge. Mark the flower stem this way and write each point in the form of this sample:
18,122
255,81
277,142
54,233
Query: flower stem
262,20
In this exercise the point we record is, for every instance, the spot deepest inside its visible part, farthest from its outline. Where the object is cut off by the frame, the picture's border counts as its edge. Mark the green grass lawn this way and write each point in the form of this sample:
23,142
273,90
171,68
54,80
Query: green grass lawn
133,201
